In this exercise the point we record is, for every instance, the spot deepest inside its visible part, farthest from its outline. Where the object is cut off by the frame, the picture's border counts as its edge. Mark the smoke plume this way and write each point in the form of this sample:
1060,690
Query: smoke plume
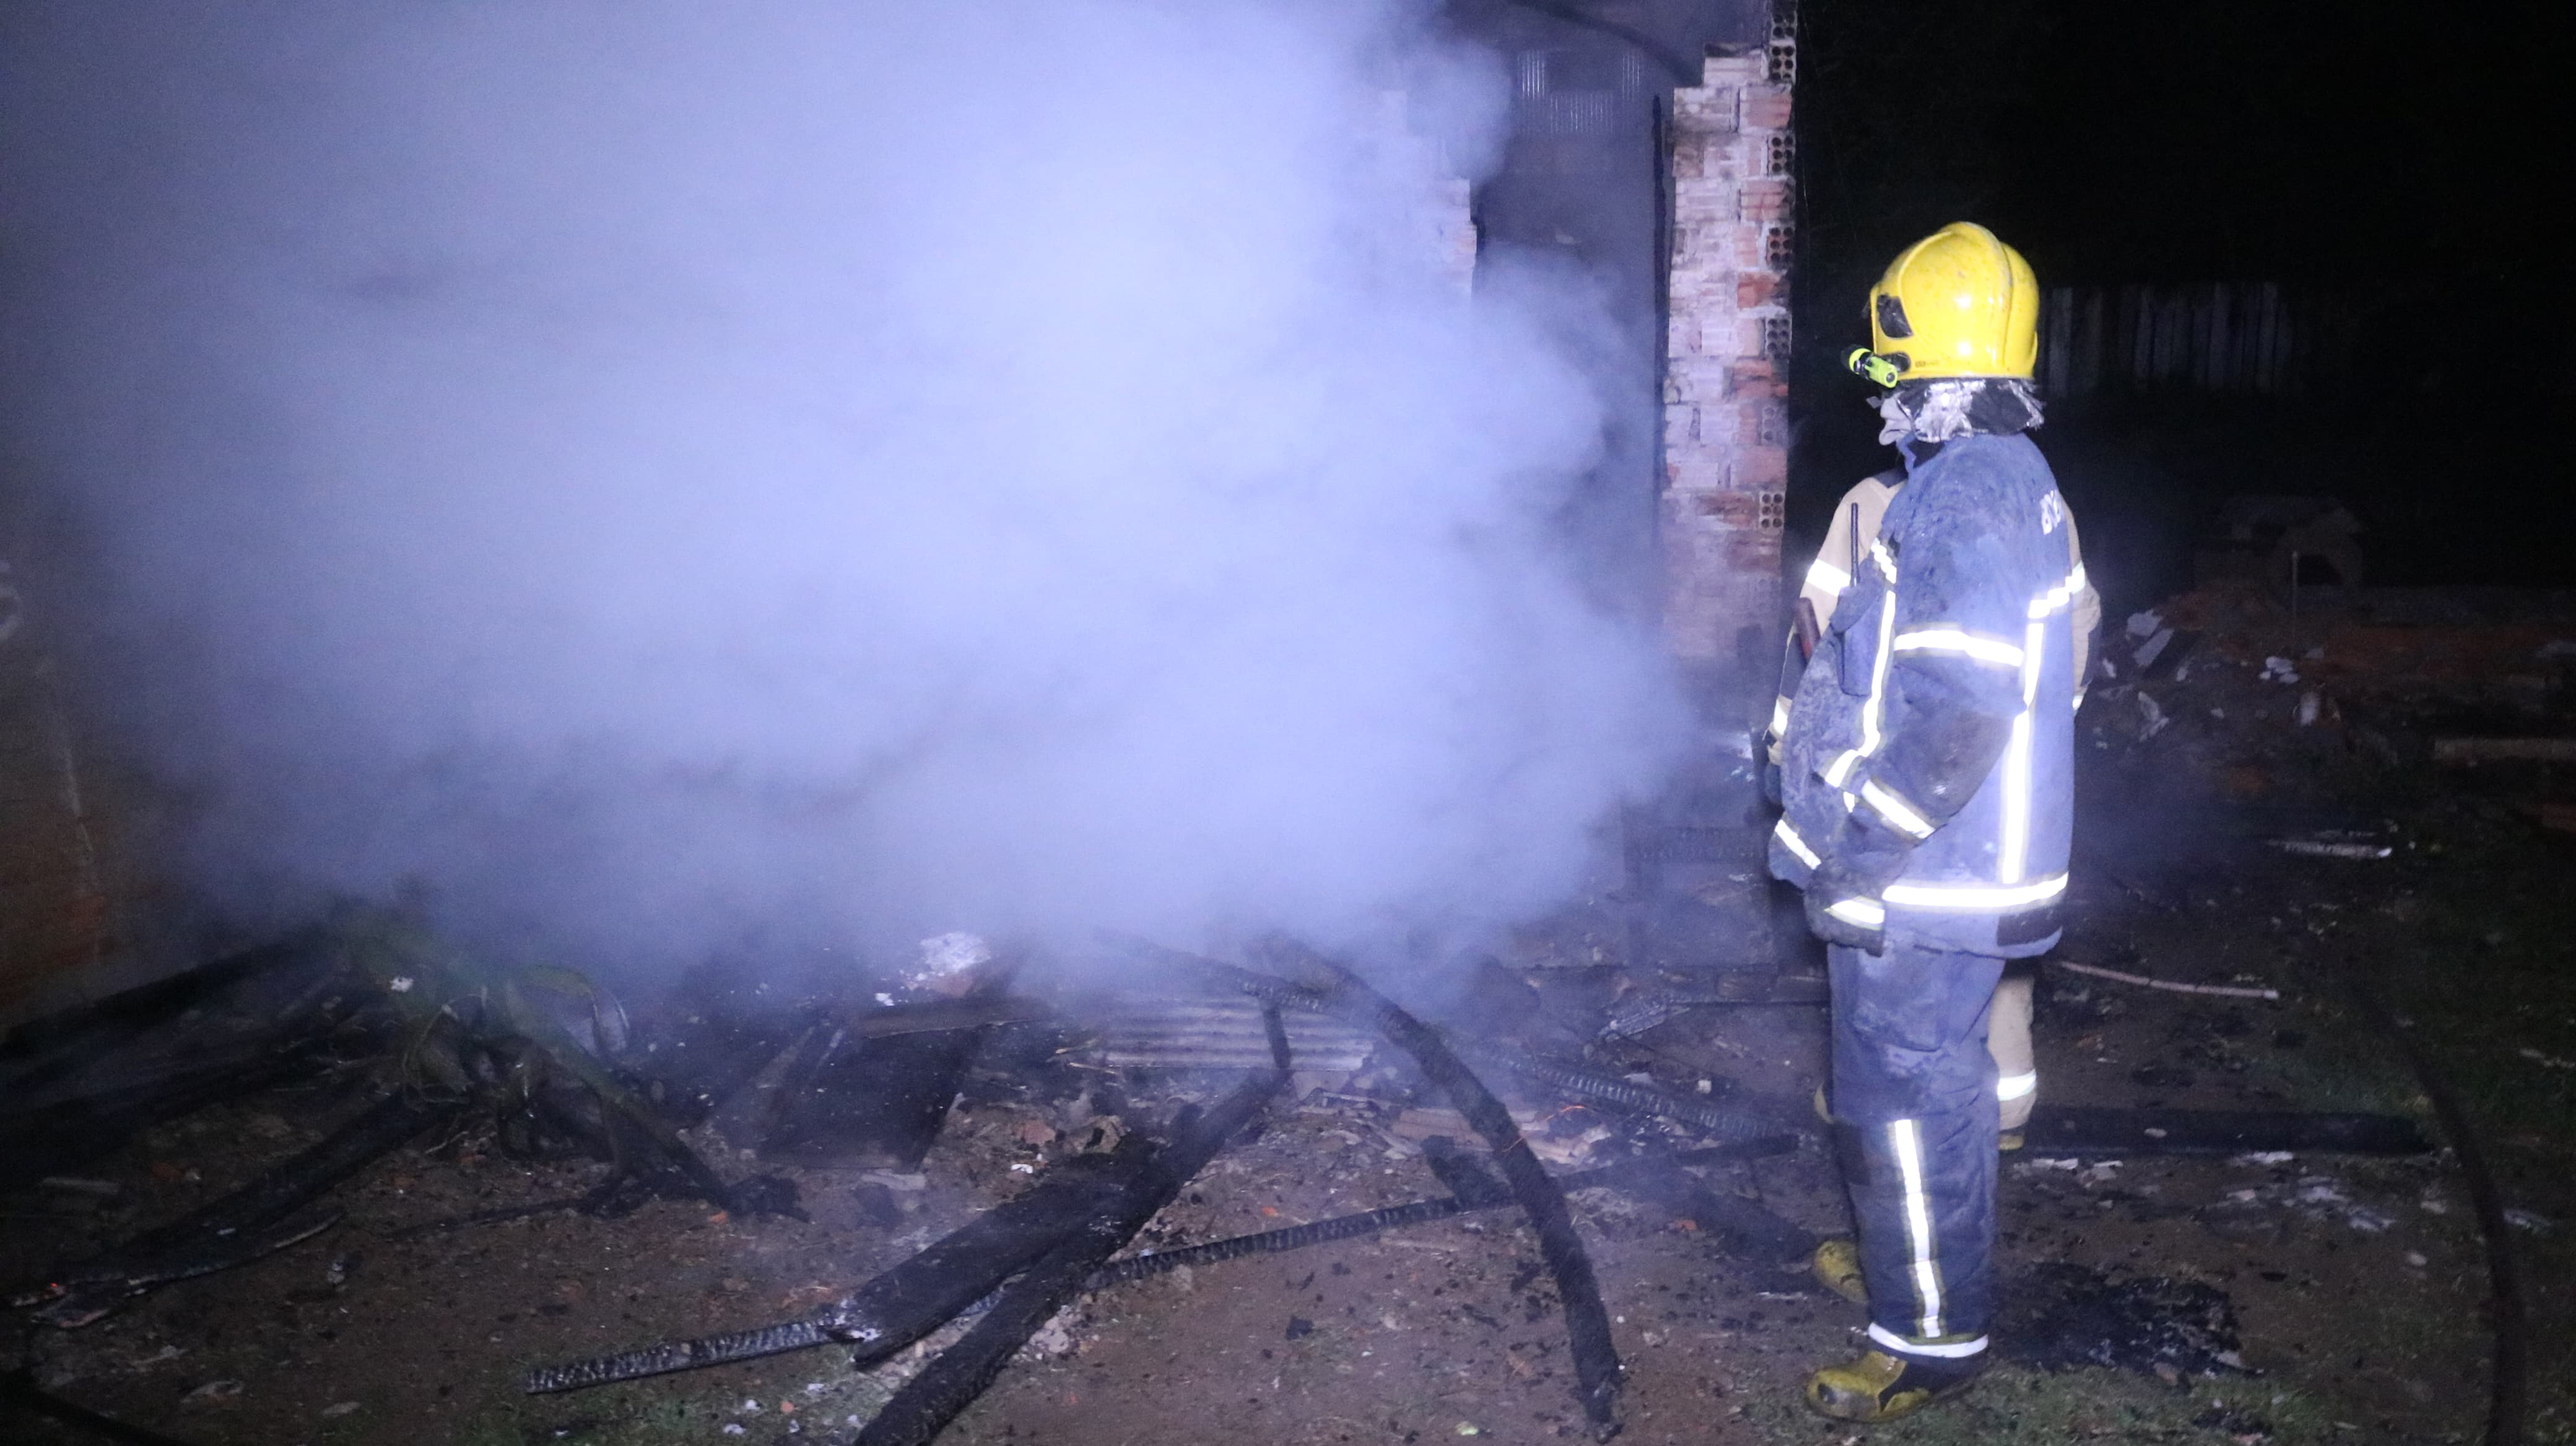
647,475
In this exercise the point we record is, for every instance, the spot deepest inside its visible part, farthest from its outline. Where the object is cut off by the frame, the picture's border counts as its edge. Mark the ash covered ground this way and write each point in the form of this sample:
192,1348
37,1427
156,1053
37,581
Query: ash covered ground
2292,1297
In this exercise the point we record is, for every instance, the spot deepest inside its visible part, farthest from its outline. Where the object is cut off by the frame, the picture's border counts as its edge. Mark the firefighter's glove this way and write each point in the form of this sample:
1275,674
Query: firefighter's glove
1846,895
1766,755
1855,921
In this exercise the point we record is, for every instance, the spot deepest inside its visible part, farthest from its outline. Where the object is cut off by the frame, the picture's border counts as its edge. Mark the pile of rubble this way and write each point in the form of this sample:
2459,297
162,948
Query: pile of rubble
2288,700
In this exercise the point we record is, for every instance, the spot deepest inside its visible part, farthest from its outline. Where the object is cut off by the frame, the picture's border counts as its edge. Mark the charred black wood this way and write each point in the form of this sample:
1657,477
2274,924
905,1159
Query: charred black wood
936,1016
222,1233
873,1088
917,1296
301,1178
1468,1181
83,1302
1572,1081
1738,1226
924,1405
646,1163
1596,1357
275,980
877,1102
2093,1130
1480,1192
78,1085
711,1061
904,1303
1497,1001
1288,1238
170,1059
553,1089
67,1133
899,1306
1641,1012
1185,967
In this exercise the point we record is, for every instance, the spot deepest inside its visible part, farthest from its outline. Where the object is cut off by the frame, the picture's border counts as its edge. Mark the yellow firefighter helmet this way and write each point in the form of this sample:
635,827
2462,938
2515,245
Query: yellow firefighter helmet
1958,303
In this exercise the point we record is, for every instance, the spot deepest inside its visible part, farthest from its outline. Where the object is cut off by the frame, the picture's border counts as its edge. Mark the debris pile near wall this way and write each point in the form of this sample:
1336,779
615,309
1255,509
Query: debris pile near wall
2281,697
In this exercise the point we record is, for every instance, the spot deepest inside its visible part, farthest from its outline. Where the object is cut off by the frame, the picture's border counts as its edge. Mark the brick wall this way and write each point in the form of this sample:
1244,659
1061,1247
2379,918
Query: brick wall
1726,435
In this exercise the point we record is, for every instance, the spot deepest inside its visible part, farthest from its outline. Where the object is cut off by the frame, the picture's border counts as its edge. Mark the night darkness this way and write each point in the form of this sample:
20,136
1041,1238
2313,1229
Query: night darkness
2405,158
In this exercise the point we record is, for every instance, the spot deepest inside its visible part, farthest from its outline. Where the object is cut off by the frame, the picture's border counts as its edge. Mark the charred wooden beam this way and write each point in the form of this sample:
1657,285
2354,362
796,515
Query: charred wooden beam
1596,1357
242,1226
902,1304
927,1290
1487,1195
925,1405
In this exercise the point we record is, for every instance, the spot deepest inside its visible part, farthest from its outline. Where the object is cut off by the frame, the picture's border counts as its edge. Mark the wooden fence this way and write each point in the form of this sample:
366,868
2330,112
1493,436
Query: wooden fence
2250,338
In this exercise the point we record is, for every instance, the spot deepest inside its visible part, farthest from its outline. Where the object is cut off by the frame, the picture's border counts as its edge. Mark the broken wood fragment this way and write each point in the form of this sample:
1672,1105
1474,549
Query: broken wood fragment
1596,1357
873,1088
933,1016
924,1405
2171,986
897,1307
250,1222
1490,1195
916,1296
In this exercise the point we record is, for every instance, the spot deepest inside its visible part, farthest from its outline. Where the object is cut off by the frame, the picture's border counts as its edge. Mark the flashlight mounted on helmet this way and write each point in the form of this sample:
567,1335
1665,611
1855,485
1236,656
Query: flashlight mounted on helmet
1883,370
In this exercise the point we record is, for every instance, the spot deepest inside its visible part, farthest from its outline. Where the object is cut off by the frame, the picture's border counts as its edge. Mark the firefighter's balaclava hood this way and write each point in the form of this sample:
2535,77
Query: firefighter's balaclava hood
1936,411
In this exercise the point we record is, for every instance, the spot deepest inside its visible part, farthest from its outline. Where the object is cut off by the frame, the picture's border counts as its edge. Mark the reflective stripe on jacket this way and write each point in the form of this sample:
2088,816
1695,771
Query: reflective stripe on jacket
1859,514
1964,605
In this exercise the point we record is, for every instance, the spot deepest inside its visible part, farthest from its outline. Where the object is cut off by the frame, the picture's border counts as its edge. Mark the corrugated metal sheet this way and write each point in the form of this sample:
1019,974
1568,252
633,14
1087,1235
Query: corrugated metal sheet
1224,1034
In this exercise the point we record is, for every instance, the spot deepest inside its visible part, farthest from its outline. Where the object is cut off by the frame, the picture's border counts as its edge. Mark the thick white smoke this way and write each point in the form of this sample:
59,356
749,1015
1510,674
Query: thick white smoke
659,474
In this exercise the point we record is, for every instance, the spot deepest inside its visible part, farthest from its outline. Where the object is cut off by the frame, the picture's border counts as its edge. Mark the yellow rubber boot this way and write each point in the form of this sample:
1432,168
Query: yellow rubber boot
1837,1267
1882,1387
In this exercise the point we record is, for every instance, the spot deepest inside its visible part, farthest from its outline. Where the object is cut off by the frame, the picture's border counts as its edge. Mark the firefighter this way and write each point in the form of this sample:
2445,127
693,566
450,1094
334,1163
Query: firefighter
1855,523
1926,788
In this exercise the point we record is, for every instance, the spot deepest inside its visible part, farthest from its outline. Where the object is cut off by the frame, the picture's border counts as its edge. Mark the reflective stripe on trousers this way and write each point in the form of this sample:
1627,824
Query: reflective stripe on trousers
1905,1142
2008,1041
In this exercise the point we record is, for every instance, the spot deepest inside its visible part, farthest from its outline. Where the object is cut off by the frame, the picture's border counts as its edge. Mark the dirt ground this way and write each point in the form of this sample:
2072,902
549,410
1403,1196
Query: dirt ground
2358,1286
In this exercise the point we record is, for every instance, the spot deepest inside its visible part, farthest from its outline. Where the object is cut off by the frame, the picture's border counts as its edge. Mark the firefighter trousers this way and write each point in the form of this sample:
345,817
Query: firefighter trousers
1913,1098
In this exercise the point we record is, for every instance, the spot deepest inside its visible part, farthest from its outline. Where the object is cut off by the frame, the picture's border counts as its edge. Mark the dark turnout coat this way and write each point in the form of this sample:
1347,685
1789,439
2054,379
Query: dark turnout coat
1940,705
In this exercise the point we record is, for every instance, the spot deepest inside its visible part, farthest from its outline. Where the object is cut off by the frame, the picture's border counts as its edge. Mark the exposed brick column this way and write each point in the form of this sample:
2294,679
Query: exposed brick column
1726,433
